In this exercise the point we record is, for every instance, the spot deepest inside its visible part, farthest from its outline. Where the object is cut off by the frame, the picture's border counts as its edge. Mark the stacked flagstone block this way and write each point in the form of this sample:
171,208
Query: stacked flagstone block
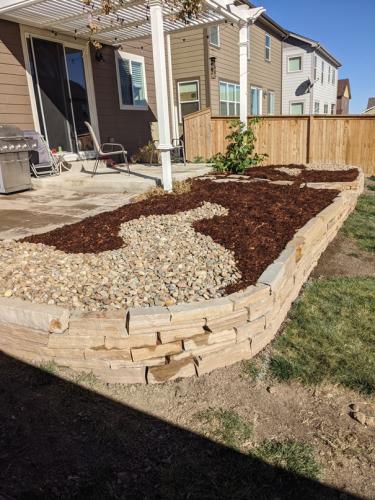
158,344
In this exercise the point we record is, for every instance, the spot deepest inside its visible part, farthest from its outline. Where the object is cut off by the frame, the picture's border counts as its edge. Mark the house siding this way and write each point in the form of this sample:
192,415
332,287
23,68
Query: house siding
15,104
227,62
262,73
132,128
196,64
294,84
188,56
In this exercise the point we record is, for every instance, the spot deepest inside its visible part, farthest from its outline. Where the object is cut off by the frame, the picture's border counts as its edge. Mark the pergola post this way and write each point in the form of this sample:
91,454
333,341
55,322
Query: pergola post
243,44
161,90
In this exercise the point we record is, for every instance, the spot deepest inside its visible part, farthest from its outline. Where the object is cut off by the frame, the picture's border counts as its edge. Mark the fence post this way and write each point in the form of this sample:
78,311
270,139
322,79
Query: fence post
310,125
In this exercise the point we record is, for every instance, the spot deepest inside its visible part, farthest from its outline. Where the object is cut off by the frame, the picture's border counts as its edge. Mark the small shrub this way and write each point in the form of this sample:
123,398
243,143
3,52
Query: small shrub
240,154
297,458
371,187
225,426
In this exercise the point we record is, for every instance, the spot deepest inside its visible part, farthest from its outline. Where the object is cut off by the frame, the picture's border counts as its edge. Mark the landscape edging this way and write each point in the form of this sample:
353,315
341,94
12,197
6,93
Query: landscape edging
157,344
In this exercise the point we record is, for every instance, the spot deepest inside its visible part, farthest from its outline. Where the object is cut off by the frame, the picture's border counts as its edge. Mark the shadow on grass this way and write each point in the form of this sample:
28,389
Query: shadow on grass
59,440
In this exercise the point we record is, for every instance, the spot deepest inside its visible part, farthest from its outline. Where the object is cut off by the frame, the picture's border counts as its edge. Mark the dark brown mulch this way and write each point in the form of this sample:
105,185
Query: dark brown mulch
272,174
262,219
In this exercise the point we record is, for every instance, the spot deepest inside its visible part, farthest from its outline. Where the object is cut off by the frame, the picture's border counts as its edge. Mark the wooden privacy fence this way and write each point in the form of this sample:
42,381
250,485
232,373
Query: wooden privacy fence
290,139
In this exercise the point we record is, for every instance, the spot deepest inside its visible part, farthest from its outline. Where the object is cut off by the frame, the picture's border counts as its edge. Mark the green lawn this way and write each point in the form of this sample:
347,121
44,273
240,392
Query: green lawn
331,336
360,225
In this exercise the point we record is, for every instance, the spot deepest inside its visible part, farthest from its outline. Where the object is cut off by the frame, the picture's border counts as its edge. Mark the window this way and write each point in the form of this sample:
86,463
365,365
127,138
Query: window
329,74
271,103
131,79
267,48
256,101
332,109
229,99
296,108
333,76
322,73
326,109
316,107
188,97
315,68
214,35
294,64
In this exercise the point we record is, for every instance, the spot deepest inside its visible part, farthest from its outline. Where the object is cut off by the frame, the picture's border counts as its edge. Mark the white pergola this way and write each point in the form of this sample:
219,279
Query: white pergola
132,19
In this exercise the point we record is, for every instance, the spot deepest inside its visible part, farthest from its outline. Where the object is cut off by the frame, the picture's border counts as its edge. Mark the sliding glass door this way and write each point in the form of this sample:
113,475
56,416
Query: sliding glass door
61,94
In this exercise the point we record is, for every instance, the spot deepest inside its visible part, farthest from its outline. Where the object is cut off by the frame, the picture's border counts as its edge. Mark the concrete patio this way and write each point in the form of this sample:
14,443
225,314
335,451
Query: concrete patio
115,179
75,195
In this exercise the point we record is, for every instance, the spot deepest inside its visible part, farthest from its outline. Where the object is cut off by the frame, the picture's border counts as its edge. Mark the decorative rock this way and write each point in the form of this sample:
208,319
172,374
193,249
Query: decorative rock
130,276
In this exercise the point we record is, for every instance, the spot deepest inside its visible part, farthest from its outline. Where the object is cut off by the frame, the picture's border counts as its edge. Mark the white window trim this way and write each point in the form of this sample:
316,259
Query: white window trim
227,101
294,56
322,72
253,87
297,102
326,105
274,102
317,103
218,36
267,35
195,100
131,57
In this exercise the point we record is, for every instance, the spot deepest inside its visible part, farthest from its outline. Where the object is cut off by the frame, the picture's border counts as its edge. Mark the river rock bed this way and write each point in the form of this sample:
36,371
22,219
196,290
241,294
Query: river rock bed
163,261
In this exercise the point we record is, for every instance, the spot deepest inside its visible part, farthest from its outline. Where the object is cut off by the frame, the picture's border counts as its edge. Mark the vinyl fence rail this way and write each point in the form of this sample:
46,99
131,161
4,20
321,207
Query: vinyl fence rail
332,139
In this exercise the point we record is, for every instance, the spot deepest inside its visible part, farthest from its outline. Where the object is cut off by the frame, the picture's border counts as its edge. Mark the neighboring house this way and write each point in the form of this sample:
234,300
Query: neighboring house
343,97
370,110
206,70
310,75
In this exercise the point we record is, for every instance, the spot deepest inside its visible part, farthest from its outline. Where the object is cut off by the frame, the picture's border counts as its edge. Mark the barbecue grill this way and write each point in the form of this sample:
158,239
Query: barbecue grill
14,159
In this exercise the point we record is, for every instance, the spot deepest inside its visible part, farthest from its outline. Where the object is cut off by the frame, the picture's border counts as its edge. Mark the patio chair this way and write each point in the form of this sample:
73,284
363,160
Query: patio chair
177,146
101,154
42,161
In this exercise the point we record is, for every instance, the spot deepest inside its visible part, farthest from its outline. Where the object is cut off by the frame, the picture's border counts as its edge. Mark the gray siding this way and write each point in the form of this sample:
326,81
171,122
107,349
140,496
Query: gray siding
15,106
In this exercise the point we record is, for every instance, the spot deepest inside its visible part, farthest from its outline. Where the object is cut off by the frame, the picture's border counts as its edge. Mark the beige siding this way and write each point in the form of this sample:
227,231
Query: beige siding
265,74
227,62
188,61
15,106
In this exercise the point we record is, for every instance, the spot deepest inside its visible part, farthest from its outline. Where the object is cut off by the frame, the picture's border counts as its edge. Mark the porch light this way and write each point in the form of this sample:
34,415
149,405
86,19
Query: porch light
213,67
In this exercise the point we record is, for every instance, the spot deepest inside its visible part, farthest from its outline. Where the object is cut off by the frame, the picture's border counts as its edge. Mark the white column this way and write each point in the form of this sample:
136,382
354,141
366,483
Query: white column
243,73
161,90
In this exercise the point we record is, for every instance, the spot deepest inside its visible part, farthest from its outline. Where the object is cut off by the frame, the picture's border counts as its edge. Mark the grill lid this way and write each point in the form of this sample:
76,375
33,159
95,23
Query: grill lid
13,140
10,132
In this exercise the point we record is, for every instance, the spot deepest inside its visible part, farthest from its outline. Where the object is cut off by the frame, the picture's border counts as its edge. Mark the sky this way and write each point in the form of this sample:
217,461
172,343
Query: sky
345,28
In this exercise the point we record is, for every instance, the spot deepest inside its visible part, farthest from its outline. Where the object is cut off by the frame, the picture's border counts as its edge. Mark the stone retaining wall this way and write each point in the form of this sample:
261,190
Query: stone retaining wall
151,345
